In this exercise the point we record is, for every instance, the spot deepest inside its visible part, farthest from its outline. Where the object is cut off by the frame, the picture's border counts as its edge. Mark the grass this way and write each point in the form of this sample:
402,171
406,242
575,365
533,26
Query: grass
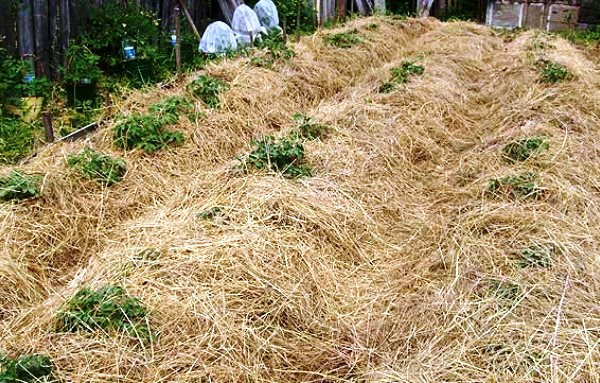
26,369
17,139
400,74
207,89
524,148
553,72
517,186
19,186
585,37
99,167
284,155
109,309
343,39
146,132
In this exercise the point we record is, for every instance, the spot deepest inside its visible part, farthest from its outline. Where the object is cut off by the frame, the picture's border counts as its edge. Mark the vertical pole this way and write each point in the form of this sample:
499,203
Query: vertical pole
47,120
298,10
178,42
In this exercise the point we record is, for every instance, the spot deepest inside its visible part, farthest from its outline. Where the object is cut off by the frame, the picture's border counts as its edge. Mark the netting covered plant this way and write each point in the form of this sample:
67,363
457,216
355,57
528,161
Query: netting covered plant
218,38
267,14
245,25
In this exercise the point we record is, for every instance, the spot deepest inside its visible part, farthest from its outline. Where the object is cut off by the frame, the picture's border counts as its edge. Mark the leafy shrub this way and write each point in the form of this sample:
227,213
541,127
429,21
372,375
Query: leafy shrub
522,185
170,109
26,369
400,74
18,186
522,149
11,75
343,39
98,167
307,129
145,132
553,72
109,308
110,24
535,255
207,89
82,64
17,139
284,155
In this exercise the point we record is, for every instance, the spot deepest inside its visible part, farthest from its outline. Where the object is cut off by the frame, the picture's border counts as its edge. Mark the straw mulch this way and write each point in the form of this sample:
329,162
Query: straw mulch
378,268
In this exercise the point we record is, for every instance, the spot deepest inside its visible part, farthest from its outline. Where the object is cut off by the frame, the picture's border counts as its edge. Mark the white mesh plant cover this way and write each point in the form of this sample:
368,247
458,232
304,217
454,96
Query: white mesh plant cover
218,38
267,14
245,25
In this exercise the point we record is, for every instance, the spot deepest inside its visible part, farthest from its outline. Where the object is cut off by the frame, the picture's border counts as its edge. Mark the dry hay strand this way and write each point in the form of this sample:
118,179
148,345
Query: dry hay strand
391,263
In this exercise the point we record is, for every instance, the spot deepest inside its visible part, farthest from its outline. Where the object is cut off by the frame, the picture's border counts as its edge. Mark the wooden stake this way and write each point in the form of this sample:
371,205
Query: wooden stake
298,10
177,41
189,18
47,121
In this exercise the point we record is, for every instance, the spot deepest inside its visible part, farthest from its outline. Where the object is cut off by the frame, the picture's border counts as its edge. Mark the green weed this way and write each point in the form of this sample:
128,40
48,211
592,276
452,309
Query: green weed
307,129
553,72
18,186
145,132
207,89
522,149
284,155
400,74
26,369
535,255
372,27
170,109
343,39
517,186
98,167
109,309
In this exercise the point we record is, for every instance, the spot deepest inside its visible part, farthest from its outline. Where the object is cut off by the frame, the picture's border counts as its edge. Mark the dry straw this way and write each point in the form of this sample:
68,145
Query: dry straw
391,264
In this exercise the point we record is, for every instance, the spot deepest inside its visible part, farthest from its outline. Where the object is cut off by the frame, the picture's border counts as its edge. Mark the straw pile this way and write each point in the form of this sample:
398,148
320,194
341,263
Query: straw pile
379,268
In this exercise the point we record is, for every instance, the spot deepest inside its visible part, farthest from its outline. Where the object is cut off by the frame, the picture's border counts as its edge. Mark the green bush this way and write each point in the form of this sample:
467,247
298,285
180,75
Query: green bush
399,75
287,10
517,186
18,186
553,72
285,156
112,23
109,309
17,139
26,369
207,89
145,132
522,149
343,39
588,36
98,167
82,65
